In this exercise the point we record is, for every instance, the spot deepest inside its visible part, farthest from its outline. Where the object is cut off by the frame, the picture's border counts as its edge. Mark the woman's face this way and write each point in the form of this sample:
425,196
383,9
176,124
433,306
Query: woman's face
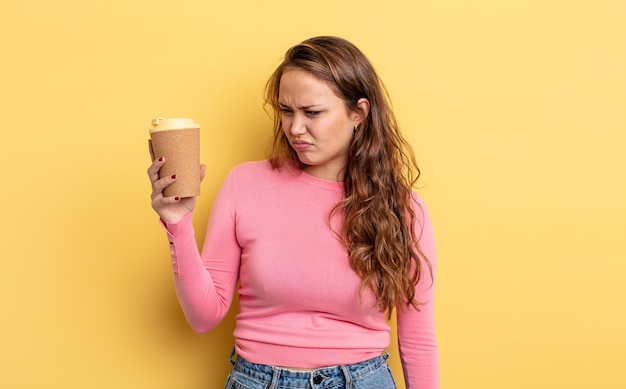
317,123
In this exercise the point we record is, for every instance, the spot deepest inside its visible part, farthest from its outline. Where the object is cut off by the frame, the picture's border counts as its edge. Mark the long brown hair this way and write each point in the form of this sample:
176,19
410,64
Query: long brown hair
378,178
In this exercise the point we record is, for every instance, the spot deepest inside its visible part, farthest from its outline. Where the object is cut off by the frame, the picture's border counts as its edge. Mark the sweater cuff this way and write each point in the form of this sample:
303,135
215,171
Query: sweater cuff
183,224
185,258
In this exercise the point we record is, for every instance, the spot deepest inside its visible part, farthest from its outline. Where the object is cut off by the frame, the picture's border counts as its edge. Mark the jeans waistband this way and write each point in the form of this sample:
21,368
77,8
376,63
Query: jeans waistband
322,377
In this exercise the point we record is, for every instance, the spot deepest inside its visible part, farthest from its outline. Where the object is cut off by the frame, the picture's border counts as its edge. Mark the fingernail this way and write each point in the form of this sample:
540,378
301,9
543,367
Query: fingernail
161,159
173,176
176,198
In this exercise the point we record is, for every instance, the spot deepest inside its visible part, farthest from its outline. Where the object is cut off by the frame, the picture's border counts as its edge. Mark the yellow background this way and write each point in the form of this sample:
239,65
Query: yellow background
516,110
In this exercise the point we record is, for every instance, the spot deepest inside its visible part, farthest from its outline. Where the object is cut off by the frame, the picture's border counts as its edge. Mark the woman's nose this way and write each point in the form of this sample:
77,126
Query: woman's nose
298,126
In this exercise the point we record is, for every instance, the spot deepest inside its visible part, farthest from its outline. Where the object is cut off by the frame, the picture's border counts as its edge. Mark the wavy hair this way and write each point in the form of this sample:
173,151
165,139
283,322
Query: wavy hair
378,216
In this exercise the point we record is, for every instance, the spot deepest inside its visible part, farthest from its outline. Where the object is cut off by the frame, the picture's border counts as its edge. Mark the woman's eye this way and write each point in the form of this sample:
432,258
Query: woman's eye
313,113
285,111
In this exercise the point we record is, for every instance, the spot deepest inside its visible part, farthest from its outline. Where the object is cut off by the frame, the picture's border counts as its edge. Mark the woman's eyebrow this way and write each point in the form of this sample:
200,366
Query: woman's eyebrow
300,107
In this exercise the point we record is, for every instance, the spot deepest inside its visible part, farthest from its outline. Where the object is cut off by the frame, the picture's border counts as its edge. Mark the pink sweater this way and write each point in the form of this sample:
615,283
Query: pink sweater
299,299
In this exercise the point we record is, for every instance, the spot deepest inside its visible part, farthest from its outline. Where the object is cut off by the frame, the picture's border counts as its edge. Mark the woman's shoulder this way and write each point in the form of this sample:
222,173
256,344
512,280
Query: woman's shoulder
253,167
255,172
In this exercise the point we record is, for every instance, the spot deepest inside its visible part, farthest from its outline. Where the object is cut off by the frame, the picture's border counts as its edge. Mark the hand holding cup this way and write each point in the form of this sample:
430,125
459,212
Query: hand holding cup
169,209
176,172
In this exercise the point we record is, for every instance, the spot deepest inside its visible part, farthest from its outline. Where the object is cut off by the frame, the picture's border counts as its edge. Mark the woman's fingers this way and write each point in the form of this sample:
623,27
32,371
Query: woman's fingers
160,184
161,201
170,209
153,170
166,207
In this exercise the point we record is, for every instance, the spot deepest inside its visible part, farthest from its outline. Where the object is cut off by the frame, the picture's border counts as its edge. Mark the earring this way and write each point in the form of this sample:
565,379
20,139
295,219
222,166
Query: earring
356,127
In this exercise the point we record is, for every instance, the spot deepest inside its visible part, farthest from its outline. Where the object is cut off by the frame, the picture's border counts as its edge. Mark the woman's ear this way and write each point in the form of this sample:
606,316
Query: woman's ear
363,110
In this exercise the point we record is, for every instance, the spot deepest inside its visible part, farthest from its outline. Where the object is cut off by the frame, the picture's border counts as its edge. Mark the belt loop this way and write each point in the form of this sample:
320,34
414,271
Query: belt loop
385,354
347,375
230,357
275,378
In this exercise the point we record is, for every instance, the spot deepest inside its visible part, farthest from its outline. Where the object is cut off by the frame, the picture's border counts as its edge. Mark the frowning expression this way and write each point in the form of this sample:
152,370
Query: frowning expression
317,123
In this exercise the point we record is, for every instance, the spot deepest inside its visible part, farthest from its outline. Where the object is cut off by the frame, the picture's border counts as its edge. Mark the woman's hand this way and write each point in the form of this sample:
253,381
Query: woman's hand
170,209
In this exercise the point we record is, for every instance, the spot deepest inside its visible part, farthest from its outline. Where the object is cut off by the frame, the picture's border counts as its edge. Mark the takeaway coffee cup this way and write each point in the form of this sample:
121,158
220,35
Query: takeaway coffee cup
178,140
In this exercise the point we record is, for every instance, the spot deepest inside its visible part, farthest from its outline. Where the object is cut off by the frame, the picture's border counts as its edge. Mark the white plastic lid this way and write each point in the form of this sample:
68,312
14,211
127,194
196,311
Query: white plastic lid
163,124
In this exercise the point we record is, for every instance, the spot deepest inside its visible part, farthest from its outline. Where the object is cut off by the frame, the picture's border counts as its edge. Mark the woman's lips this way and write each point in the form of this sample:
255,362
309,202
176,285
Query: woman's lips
300,145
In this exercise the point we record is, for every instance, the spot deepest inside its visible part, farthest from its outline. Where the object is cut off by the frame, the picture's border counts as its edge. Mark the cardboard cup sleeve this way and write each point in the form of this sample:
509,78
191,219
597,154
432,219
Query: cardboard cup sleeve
181,149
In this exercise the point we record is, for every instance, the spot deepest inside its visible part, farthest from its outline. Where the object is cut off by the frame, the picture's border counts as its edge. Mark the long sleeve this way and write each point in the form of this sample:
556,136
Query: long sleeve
416,329
205,283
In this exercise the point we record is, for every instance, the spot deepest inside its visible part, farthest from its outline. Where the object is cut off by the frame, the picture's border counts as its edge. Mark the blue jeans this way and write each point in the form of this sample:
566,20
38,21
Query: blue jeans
371,374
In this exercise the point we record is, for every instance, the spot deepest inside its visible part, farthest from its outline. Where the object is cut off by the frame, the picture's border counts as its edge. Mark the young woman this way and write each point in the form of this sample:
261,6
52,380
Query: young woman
326,238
